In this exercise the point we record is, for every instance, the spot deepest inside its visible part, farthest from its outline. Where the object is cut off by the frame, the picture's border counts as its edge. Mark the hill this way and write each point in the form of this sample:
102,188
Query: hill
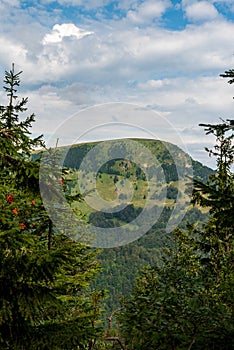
109,164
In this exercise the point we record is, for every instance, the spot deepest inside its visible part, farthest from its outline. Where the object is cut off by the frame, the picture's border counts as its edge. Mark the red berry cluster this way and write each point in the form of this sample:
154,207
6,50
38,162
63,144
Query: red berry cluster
10,200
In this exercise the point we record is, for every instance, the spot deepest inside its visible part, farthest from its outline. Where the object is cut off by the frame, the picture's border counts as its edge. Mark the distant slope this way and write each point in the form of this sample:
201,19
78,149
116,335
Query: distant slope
76,153
121,264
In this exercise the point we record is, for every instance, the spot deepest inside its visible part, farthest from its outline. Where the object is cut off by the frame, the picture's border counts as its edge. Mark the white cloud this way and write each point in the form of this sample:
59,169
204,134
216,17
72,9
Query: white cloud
12,3
180,52
12,52
152,84
64,30
117,52
173,71
200,11
148,11
189,94
88,4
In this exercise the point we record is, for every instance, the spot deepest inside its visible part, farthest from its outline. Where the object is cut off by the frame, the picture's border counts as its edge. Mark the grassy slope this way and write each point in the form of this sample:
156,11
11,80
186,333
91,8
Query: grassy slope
121,264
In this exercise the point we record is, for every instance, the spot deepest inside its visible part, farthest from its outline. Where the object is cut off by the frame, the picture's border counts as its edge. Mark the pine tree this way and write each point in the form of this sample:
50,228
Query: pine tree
218,192
45,300
186,302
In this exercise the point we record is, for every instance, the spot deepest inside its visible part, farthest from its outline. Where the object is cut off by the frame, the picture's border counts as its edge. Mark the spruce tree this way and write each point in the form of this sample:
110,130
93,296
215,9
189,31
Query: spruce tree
45,299
186,302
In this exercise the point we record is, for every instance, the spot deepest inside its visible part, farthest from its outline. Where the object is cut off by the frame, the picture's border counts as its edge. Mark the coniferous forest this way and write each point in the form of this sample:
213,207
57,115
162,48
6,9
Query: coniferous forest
163,291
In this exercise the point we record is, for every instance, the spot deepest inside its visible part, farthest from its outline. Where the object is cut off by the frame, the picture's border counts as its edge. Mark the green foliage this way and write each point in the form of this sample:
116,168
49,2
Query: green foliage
178,304
39,293
120,265
45,298
218,192
186,300
16,143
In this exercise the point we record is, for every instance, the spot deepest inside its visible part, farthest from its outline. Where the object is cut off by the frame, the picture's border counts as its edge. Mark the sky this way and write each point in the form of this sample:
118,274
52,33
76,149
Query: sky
88,65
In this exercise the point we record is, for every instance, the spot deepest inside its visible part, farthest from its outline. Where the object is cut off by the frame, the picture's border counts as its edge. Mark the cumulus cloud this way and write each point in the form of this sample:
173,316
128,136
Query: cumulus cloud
67,66
116,55
61,31
201,11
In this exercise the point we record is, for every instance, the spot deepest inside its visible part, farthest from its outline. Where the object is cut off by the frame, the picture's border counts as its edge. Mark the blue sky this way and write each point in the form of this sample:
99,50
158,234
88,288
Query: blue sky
162,55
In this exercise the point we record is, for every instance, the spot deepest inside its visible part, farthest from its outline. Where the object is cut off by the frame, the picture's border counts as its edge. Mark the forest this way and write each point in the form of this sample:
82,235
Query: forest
162,291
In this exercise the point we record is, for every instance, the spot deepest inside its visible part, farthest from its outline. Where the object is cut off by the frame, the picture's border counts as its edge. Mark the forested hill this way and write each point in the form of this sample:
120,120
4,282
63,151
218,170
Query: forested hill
121,264
162,150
